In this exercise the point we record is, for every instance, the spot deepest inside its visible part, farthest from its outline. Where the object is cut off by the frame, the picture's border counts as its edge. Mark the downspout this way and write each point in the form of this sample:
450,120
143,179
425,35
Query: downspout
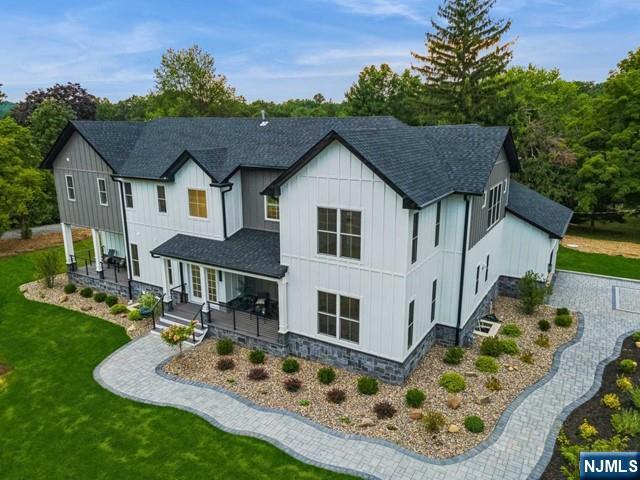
221,186
464,259
126,237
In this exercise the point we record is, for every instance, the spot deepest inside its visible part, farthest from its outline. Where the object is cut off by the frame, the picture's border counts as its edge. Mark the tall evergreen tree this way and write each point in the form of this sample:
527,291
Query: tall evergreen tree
464,57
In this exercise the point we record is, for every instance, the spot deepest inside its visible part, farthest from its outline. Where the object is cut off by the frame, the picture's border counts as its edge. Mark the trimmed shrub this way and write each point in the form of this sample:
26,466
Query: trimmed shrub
452,382
225,363
86,292
563,321
367,385
511,330
493,384
510,347
256,356
453,355
532,292
624,383
474,424
326,375
542,341
292,384
134,315
487,364
626,422
100,297
414,397
635,396
612,401
527,357
224,346
111,300
627,366
384,410
562,311
47,265
544,325
491,346
258,374
118,308
304,402
70,288
290,365
433,421
636,337
586,430
335,395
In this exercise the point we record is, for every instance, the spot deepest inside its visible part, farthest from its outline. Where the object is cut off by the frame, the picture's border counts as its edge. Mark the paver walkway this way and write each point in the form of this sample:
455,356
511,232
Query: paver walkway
519,447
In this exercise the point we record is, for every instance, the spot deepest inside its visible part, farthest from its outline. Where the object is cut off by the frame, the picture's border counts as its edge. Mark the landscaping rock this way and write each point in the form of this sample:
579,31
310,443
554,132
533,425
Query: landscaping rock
366,422
392,427
483,400
510,368
86,308
63,298
471,374
454,402
453,428
637,344
415,414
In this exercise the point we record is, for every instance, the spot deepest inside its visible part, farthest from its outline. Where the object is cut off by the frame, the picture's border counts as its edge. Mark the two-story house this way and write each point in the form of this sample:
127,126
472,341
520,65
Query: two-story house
354,241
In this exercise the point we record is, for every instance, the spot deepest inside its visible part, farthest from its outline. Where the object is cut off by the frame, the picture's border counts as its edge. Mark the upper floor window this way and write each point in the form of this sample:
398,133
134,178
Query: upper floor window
434,295
271,208
493,211
350,234
102,192
410,327
197,203
327,231
437,239
71,189
162,199
348,230
414,237
128,195
135,260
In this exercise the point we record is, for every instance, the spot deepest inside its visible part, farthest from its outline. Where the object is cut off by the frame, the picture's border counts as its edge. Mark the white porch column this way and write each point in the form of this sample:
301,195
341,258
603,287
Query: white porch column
166,298
204,281
97,251
283,321
67,239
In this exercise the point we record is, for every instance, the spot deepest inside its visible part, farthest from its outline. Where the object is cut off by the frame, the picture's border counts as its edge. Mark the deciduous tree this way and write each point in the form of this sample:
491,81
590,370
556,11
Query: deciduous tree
70,94
46,123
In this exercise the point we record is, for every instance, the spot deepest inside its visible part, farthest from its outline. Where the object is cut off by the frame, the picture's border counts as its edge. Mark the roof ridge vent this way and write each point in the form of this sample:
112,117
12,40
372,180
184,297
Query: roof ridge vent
264,121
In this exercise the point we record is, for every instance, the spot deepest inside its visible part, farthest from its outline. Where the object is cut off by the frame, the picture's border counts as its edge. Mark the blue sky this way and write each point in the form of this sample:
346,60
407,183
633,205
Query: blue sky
282,49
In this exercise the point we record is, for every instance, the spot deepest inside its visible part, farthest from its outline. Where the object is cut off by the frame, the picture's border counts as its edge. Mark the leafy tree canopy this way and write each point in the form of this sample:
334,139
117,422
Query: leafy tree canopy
46,123
73,95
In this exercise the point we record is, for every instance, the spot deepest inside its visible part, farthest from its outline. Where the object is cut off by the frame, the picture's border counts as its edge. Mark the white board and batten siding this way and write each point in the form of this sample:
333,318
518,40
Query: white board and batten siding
526,248
149,228
233,204
337,179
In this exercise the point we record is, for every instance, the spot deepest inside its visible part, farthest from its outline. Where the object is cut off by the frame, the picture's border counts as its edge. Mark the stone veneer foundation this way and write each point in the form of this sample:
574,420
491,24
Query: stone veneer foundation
113,288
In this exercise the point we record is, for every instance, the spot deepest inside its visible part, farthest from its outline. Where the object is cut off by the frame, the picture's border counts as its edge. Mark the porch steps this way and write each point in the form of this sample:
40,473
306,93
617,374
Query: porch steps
168,319
486,328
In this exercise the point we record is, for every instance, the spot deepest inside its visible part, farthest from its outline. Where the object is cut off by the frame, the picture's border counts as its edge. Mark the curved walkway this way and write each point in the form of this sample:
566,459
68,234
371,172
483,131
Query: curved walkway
520,446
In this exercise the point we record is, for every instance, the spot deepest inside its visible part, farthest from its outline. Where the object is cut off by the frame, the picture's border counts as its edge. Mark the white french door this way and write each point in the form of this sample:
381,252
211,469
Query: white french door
195,284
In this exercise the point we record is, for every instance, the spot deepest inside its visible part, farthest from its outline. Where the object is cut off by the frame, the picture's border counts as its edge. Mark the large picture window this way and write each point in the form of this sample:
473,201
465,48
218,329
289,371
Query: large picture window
271,208
414,237
197,203
493,211
71,189
348,230
128,195
102,192
135,260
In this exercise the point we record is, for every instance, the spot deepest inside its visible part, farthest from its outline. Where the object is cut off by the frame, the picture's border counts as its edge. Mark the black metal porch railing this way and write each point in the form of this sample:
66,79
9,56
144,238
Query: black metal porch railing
242,321
182,293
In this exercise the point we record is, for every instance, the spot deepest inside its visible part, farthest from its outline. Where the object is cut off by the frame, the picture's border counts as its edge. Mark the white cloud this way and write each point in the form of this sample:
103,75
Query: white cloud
383,8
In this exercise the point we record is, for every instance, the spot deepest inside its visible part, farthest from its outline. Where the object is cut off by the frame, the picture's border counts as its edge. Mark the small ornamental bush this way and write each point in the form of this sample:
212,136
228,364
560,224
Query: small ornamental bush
511,330
627,366
258,374
134,315
626,422
367,385
433,421
70,288
384,410
225,363
532,292
527,357
100,297
335,395
542,341
415,397
493,384
256,356
292,384
491,346
452,382
474,424
290,365
304,402
47,265
453,355
510,347
635,397
612,401
544,325
175,334
224,346
111,300
562,311
486,364
563,321
636,337
118,308
624,383
86,292
586,430
326,375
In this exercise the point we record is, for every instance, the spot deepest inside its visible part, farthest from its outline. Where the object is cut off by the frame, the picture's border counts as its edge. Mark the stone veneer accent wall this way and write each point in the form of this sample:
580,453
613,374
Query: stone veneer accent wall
107,286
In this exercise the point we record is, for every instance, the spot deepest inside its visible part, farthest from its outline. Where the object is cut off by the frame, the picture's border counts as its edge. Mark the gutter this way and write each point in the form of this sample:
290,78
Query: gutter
224,209
462,267
127,244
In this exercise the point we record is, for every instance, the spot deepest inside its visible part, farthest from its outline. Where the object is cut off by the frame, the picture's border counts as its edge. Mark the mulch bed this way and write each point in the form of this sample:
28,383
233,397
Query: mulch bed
597,414
14,246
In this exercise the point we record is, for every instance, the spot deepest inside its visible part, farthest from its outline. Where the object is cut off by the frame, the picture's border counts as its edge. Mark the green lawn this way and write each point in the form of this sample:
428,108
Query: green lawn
615,266
629,231
57,423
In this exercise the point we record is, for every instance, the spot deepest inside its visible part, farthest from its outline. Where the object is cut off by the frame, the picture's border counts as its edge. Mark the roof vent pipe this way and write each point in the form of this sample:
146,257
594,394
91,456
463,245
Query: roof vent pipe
264,121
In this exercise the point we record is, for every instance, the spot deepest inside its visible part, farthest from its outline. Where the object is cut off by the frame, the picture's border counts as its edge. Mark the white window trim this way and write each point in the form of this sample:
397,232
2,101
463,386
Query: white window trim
506,186
498,190
106,195
415,235
484,199
124,191
136,260
73,187
411,322
206,203
476,284
338,255
266,217
487,260
434,300
166,204
338,294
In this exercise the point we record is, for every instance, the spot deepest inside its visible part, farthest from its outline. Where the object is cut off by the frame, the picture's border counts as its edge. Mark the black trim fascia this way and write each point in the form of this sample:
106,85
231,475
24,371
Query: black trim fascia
462,267
180,161
540,227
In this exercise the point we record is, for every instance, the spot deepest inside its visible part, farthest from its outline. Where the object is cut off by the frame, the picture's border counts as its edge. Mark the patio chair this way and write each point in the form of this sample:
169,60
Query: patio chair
262,306
109,257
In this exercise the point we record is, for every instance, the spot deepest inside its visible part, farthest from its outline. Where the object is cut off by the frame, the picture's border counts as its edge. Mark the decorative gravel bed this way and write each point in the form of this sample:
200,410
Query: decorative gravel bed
38,292
356,415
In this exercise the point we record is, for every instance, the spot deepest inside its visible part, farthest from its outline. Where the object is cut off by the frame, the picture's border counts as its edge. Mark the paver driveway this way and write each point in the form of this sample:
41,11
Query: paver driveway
519,447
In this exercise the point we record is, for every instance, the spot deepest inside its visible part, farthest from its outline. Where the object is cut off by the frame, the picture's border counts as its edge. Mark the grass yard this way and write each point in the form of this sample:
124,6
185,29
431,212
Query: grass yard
57,423
615,266
629,231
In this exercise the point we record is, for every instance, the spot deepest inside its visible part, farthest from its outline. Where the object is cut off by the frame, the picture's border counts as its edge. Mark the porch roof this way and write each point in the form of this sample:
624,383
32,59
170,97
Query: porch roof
247,251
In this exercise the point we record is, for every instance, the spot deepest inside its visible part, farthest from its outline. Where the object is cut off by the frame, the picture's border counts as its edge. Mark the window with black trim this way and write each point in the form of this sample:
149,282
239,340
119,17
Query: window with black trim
414,237
135,260
477,277
434,294
102,192
327,313
350,234
170,271
333,307
128,195
437,239
410,325
493,210
71,189
486,271
162,198
349,319
348,230
327,231
271,208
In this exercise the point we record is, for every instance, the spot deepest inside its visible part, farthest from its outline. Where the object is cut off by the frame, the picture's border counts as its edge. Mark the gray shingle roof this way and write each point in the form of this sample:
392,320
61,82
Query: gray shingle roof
248,250
538,210
112,139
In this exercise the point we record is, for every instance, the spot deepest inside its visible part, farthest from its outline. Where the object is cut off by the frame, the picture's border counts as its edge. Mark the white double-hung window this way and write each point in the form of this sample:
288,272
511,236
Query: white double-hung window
493,210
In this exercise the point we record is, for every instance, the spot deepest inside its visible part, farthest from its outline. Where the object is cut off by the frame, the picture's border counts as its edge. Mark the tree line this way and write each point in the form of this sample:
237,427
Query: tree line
578,142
